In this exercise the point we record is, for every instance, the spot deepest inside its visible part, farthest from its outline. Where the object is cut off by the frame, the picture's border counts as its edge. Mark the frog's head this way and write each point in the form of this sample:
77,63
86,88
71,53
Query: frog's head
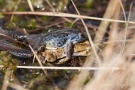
77,37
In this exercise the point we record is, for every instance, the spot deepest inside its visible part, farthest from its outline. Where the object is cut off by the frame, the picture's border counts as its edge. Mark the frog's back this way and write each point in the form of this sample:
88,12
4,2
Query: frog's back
58,39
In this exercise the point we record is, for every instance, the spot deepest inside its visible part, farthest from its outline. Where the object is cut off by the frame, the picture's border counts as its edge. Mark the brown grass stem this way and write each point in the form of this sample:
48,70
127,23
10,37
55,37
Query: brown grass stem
68,68
15,9
30,5
60,14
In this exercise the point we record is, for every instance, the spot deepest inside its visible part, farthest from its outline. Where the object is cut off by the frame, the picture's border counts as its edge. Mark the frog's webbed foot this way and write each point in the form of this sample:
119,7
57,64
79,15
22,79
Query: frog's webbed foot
68,52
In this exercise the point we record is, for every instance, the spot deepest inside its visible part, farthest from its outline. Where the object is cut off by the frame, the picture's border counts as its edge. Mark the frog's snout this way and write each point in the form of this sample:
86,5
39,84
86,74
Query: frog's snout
81,37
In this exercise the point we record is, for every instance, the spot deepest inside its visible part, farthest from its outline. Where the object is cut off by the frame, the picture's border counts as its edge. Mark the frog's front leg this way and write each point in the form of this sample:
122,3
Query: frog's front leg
68,52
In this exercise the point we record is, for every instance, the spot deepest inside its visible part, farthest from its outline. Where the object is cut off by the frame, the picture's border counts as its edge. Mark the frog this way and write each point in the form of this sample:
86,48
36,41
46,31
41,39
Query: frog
57,39
63,39
54,40
58,57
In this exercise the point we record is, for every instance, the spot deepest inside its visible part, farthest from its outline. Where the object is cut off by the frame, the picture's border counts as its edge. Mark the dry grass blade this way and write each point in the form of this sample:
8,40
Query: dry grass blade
69,68
6,80
39,61
16,81
124,78
127,23
104,24
117,80
15,9
45,72
78,82
60,14
113,32
30,5
16,87
90,40
48,2
15,84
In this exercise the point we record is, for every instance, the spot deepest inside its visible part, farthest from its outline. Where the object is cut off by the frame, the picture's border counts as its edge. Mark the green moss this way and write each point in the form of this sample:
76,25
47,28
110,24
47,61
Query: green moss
88,3
1,15
86,80
8,61
2,54
22,22
21,9
10,25
27,24
45,18
2,2
15,19
32,24
61,6
67,71
69,24
7,5
1,63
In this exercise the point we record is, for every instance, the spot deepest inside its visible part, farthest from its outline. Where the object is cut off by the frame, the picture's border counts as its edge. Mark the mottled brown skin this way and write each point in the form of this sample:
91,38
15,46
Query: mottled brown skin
58,57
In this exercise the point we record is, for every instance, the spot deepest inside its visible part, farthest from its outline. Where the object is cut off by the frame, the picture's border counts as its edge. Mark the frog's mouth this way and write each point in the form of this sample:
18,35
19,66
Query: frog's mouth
51,48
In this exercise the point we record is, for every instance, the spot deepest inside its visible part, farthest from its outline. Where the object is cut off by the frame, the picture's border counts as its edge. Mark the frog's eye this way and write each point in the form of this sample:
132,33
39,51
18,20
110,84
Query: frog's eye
81,34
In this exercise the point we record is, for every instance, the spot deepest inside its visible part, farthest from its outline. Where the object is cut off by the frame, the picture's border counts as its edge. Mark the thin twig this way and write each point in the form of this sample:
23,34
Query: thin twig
89,36
39,61
30,5
60,14
48,2
69,68
41,66
6,80
15,9
123,44
16,86
126,28
112,34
